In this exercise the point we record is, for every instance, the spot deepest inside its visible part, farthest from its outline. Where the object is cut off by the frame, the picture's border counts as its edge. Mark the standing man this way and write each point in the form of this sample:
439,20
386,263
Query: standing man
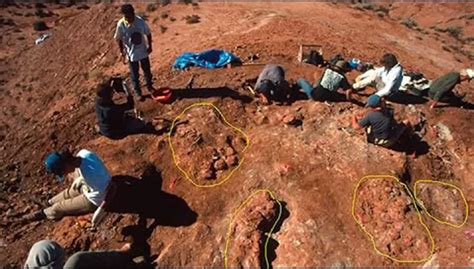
129,34
442,88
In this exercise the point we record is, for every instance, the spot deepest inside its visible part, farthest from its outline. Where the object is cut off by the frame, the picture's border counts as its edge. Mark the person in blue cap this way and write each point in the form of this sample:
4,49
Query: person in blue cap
381,128
86,194
377,121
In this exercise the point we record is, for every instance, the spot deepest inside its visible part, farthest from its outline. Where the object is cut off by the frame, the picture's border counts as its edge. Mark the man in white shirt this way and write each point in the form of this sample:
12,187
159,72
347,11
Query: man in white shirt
129,35
87,193
389,78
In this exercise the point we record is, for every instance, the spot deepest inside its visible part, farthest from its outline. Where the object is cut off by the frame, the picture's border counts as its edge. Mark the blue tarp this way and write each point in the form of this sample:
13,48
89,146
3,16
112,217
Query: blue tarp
211,59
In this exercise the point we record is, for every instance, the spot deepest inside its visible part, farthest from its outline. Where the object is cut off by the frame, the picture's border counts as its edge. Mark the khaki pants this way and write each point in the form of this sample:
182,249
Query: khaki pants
69,202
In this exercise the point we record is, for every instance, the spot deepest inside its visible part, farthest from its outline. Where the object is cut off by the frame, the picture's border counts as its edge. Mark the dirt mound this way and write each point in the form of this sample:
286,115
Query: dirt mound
387,212
249,232
202,134
443,202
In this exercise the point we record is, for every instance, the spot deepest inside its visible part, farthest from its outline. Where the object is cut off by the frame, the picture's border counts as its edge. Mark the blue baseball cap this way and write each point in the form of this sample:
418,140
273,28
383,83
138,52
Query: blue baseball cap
373,101
54,164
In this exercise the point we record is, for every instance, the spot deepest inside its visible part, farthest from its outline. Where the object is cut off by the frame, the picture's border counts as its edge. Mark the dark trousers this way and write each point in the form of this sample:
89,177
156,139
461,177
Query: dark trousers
135,75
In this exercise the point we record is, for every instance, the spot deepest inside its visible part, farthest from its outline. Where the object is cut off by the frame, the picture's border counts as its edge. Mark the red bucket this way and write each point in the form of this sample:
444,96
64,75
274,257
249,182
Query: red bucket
162,95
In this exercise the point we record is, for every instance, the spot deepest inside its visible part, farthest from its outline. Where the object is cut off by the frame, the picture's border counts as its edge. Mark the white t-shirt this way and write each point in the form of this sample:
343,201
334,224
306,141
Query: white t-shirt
95,175
391,80
132,37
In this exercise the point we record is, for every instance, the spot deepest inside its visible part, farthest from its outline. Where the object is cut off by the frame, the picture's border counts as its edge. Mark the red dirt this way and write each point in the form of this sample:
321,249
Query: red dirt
387,212
443,202
248,232
47,99
207,152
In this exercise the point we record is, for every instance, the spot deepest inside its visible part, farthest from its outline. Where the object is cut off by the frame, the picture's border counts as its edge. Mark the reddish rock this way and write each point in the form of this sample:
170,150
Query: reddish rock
220,165
232,160
229,151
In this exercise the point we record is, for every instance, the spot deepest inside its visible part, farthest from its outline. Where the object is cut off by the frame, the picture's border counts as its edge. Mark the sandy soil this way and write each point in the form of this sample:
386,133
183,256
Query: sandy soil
47,98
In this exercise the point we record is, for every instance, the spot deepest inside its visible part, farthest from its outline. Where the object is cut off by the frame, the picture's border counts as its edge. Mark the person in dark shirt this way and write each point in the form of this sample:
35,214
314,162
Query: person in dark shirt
442,88
377,122
112,119
271,84
325,89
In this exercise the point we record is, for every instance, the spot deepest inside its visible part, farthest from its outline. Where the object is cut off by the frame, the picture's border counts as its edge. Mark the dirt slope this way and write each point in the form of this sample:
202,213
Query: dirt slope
47,103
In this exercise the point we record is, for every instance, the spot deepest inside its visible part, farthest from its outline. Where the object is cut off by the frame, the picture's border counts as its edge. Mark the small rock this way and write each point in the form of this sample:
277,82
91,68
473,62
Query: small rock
232,160
220,165
229,151
260,119
293,119
208,174
432,263
9,213
14,179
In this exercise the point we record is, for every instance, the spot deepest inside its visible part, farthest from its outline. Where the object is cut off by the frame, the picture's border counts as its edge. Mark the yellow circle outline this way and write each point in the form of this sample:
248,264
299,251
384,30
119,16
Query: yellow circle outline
175,158
234,215
371,237
433,217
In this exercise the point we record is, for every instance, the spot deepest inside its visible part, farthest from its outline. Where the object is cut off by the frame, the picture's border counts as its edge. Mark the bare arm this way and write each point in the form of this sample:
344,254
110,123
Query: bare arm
355,124
122,52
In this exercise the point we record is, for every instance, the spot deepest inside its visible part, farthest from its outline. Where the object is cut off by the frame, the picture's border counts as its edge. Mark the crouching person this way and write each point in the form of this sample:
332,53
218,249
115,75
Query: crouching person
113,120
271,84
87,192
441,89
326,88
381,128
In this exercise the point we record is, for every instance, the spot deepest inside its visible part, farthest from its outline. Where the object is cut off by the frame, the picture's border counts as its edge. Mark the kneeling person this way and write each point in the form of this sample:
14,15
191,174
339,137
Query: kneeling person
271,84
326,88
112,119
380,126
442,88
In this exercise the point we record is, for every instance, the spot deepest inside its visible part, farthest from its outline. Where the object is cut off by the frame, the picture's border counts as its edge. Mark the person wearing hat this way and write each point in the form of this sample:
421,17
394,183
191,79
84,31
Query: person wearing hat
389,78
86,194
271,84
377,122
326,89
129,35
442,88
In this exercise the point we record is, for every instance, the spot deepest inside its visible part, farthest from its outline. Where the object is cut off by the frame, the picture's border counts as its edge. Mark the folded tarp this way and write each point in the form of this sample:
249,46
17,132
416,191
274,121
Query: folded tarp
209,59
